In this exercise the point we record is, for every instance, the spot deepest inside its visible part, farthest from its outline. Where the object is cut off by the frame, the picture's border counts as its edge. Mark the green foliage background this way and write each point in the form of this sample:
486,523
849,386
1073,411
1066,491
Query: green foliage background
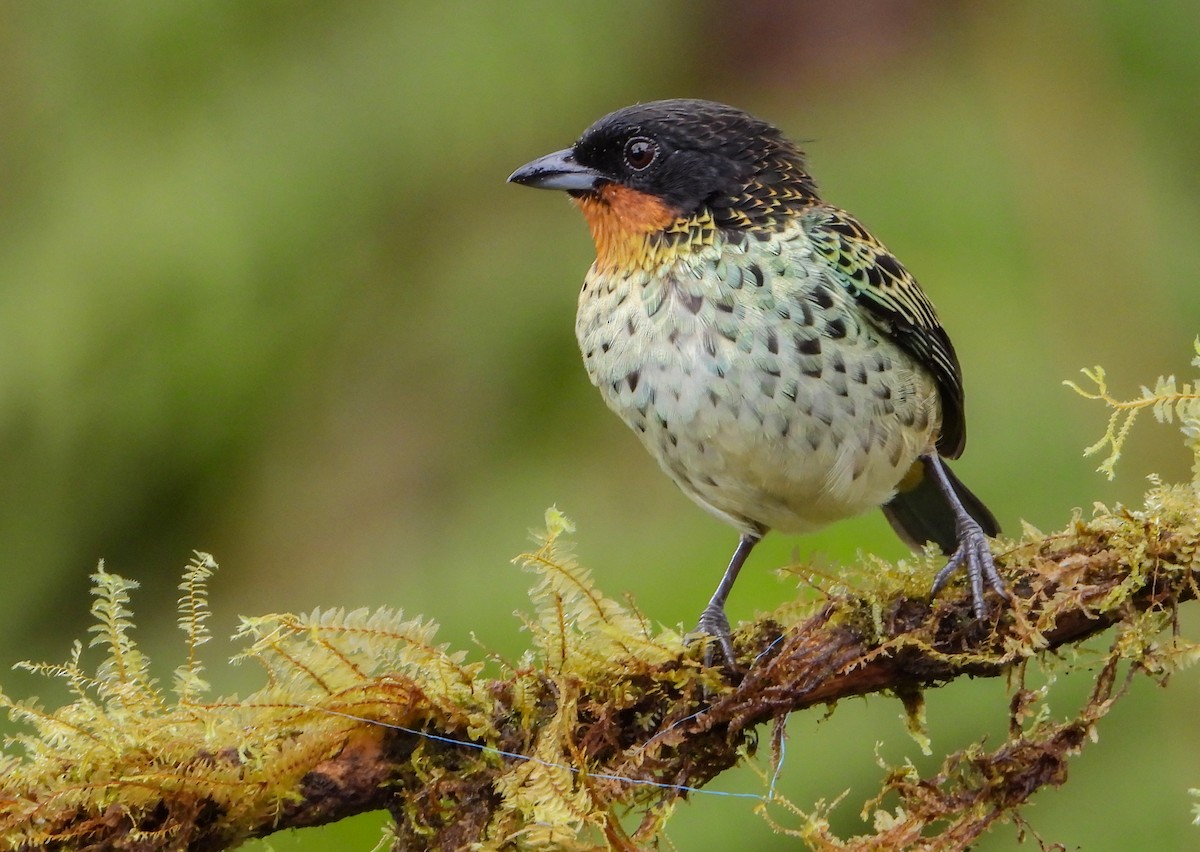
264,292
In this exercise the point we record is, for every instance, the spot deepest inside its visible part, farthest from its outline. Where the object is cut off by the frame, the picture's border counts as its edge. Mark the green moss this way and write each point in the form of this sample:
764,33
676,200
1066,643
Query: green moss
606,717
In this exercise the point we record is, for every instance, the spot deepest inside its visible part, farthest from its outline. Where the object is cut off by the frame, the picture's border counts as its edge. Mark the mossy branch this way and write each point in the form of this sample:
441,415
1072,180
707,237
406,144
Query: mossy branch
605,714
614,715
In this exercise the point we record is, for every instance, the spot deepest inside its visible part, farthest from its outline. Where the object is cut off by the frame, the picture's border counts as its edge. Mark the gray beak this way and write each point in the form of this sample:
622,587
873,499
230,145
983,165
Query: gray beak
558,171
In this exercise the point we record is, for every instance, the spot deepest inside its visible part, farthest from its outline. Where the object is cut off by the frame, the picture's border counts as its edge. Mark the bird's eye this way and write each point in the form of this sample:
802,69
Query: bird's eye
640,152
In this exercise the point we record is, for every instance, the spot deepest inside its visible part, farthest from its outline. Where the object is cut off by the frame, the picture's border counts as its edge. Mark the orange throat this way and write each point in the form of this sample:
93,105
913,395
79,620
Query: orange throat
622,221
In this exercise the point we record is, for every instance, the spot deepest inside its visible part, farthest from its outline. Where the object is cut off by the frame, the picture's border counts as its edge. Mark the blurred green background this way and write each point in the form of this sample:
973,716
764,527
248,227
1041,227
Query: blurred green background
264,292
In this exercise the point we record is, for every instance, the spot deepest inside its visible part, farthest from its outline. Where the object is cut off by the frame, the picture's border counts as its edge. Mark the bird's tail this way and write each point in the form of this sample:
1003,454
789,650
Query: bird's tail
921,512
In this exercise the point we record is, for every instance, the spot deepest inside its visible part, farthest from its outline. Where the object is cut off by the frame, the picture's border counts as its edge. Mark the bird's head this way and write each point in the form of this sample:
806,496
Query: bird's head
658,177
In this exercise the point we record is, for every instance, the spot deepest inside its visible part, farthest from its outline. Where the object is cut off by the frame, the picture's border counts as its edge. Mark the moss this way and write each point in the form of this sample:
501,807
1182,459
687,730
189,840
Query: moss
604,716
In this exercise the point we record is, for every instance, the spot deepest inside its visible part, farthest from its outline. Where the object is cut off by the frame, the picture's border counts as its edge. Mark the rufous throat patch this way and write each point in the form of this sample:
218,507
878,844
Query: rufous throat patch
621,219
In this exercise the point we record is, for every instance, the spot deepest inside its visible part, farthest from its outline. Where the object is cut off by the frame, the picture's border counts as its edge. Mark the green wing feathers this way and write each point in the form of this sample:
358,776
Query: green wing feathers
898,307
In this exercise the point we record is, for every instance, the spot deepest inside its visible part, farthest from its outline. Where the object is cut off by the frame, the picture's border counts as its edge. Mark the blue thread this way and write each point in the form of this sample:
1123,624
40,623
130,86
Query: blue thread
782,756
683,788
767,649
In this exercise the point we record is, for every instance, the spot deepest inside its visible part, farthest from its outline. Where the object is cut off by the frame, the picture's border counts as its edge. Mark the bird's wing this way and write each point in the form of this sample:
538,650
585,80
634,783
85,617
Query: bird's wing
897,305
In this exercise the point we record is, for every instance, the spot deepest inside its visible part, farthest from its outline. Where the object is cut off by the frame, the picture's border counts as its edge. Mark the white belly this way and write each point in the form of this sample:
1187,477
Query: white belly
773,405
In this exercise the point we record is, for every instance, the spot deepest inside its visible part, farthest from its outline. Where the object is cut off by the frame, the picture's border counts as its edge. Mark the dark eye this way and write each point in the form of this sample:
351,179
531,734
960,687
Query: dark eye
640,152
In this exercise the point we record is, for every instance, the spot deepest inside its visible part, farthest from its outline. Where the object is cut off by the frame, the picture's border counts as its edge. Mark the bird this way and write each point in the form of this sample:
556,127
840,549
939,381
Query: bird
776,359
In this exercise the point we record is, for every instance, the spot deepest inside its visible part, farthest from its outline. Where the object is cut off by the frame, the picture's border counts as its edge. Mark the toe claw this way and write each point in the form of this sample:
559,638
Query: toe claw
715,624
974,554
952,565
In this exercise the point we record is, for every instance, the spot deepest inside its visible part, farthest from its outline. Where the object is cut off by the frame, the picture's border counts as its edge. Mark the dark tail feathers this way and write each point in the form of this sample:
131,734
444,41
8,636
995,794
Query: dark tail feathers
923,514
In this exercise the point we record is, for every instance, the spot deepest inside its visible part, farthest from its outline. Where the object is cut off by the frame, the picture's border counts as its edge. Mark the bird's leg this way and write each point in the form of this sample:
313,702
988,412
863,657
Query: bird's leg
713,620
973,551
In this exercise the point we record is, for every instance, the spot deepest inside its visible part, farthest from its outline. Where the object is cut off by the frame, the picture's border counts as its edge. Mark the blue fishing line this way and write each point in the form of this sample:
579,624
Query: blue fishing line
683,788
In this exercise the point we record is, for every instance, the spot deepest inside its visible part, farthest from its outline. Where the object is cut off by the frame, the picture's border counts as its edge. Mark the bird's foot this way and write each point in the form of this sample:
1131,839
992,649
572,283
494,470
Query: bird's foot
715,624
973,554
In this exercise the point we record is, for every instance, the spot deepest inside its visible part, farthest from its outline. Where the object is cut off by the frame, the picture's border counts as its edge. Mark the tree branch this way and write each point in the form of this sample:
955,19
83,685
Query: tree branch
621,731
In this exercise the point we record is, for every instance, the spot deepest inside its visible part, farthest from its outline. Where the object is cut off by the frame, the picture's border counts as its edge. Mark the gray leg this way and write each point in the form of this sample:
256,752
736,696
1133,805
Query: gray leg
713,620
973,552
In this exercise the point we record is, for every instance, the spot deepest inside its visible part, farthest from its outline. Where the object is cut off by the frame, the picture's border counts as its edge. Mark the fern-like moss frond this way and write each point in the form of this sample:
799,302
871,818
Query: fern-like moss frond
1167,399
193,615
